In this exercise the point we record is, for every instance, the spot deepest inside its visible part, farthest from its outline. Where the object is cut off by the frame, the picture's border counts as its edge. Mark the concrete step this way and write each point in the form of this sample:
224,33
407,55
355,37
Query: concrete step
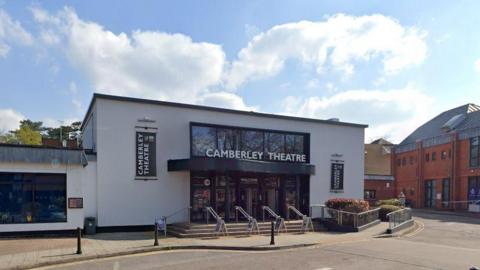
196,230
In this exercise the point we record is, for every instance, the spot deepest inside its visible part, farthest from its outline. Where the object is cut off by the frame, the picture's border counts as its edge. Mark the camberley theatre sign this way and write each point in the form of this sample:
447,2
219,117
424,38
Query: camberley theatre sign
254,155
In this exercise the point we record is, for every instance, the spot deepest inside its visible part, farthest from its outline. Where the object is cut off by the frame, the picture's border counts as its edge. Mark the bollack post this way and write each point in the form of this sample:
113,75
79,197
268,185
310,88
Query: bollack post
272,234
156,235
79,240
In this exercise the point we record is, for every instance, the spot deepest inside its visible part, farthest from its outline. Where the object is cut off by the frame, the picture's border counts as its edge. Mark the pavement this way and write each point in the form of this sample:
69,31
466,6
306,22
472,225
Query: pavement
26,253
440,241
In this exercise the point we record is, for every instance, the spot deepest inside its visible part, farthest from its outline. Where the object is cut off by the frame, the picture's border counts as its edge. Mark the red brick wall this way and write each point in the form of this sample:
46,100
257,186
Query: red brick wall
406,175
384,189
410,178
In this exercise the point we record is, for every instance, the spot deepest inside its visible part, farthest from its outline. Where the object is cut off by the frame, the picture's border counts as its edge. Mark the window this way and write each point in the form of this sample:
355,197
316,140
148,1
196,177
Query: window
411,161
274,142
220,141
446,193
430,193
427,157
404,161
370,194
473,188
434,156
294,144
443,155
399,162
203,138
449,153
32,198
474,152
252,140
228,139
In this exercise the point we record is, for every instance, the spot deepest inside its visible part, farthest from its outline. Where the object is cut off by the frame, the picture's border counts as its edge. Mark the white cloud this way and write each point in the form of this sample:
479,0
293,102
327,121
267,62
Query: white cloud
336,43
477,66
392,113
9,120
226,100
145,64
12,32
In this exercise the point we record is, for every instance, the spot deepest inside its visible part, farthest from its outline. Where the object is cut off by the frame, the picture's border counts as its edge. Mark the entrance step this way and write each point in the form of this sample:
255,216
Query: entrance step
201,230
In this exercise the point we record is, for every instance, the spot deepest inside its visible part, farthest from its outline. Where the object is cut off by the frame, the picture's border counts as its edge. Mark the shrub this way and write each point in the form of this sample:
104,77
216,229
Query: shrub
349,205
385,209
395,202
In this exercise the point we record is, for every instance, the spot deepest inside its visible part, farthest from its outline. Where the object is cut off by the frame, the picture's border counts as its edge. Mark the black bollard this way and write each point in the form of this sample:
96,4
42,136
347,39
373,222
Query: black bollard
156,234
79,240
272,234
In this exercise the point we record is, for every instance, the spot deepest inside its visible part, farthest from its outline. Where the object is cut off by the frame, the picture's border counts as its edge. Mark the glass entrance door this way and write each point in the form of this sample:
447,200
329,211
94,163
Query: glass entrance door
249,195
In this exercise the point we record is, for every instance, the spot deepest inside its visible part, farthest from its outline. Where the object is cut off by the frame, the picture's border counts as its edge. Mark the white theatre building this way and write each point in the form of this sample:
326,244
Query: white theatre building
143,159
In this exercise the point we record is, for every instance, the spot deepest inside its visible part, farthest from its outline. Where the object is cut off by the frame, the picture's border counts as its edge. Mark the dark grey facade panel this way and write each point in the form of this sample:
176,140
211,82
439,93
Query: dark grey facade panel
225,165
29,154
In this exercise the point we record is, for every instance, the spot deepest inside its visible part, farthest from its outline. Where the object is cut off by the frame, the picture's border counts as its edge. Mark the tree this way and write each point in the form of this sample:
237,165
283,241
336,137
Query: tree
8,138
65,132
26,135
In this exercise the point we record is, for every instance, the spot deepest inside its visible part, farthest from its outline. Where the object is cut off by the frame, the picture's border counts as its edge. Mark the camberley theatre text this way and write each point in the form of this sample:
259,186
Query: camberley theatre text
237,154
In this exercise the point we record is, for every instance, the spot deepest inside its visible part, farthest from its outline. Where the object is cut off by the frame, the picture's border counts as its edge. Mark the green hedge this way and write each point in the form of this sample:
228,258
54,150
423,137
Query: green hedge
385,209
395,202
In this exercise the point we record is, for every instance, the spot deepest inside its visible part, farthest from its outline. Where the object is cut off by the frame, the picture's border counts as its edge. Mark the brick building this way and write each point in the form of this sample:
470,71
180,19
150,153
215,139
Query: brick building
437,166
378,183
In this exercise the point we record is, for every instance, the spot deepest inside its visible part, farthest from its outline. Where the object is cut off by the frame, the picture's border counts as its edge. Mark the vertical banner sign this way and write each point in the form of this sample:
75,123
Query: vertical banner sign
145,156
337,176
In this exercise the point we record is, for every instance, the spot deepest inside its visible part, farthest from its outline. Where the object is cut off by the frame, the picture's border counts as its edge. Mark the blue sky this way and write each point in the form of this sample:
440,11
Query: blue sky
389,64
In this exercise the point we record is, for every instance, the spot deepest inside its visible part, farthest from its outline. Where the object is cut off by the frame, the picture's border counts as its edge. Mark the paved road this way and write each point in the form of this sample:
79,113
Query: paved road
446,242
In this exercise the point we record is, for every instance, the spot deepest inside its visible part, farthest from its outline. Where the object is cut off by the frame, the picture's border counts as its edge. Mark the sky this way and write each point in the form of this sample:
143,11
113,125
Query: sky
390,64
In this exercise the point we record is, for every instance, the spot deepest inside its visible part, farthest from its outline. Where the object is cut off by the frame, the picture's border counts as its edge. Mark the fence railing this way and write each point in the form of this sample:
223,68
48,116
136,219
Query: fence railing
399,217
350,219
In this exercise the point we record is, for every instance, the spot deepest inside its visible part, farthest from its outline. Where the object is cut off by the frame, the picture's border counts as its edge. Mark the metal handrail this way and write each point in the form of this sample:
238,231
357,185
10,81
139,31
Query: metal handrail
243,212
307,223
279,221
164,218
270,212
398,217
209,210
295,210
180,211
221,226
338,214
252,222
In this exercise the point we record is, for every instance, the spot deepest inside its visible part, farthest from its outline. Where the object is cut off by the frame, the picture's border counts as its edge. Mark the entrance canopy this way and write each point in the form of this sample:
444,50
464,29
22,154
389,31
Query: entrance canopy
223,165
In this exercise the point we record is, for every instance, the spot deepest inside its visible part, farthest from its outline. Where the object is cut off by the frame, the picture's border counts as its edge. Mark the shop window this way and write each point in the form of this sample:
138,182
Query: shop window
370,194
474,152
445,192
443,155
434,156
32,198
252,140
427,157
203,138
274,142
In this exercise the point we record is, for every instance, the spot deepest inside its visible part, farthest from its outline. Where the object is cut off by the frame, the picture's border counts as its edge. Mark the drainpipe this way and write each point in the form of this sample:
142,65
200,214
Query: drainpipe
453,169
420,173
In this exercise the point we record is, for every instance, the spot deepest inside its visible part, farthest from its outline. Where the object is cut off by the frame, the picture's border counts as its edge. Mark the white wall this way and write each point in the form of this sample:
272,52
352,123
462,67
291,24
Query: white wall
74,189
122,200
89,185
